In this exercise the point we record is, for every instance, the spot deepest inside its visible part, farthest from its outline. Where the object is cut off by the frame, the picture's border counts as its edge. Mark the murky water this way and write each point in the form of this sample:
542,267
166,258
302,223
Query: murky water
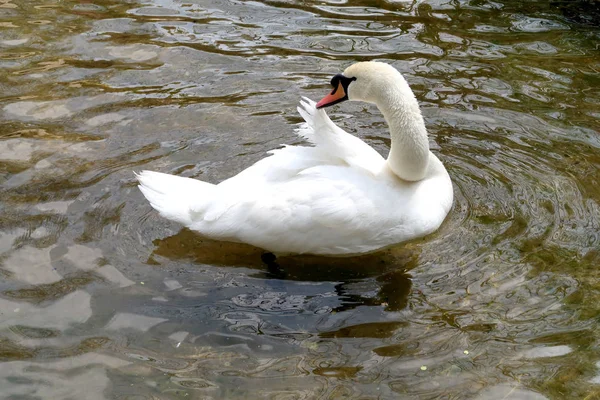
101,298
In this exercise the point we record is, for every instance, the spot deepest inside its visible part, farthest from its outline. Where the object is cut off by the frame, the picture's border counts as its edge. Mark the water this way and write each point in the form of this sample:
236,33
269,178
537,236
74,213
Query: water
101,298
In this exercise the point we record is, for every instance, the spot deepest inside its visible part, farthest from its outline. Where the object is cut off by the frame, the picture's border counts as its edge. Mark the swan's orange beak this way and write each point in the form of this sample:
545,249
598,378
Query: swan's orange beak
336,96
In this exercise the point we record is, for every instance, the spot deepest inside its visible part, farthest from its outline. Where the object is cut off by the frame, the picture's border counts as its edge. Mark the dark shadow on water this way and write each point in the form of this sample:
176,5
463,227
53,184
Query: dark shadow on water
388,268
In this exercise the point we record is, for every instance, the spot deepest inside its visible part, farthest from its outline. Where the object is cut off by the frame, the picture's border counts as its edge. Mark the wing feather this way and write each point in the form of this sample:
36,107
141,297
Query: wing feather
332,140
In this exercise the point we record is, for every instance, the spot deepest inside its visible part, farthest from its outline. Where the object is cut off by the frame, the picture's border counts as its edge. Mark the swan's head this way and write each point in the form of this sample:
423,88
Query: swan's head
363,81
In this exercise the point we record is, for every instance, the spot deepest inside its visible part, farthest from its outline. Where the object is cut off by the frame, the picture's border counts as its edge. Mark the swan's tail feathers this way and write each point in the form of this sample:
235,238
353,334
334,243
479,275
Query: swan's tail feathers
174,197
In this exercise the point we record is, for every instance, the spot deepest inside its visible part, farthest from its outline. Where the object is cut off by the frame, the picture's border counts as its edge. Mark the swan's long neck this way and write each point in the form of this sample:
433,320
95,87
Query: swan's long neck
409,153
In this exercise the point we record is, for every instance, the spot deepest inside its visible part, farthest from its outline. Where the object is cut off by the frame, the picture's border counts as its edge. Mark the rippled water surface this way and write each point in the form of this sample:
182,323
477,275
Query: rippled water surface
100,298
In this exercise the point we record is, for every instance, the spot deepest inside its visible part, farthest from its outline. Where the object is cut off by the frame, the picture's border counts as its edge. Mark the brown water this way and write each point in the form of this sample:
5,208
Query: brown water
100,298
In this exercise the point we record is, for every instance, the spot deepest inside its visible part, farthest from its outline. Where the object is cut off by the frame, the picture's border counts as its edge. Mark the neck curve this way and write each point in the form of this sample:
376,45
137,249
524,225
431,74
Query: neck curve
409,152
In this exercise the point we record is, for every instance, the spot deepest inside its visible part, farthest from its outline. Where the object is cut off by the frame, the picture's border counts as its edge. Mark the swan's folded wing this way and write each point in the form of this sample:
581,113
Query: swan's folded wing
330,139
318,212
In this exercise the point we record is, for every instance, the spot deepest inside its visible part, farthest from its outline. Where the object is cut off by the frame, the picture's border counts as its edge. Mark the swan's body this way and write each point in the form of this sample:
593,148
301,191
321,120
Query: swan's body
338,197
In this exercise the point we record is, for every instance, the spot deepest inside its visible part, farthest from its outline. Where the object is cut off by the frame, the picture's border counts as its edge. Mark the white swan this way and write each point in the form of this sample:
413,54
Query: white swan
339,197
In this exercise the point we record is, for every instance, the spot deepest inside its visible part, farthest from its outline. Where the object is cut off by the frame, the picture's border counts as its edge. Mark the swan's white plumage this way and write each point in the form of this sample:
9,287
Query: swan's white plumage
337,197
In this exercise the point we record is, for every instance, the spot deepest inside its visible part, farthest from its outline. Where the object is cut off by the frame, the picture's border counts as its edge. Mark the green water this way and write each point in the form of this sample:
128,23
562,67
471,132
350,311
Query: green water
100,298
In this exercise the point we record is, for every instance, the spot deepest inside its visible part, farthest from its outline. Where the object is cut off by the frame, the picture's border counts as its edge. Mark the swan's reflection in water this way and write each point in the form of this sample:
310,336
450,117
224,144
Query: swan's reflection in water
386,271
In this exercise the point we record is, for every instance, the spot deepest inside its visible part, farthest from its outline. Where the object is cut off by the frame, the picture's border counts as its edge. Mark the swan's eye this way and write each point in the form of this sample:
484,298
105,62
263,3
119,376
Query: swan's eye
346,82
336,79
341,78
